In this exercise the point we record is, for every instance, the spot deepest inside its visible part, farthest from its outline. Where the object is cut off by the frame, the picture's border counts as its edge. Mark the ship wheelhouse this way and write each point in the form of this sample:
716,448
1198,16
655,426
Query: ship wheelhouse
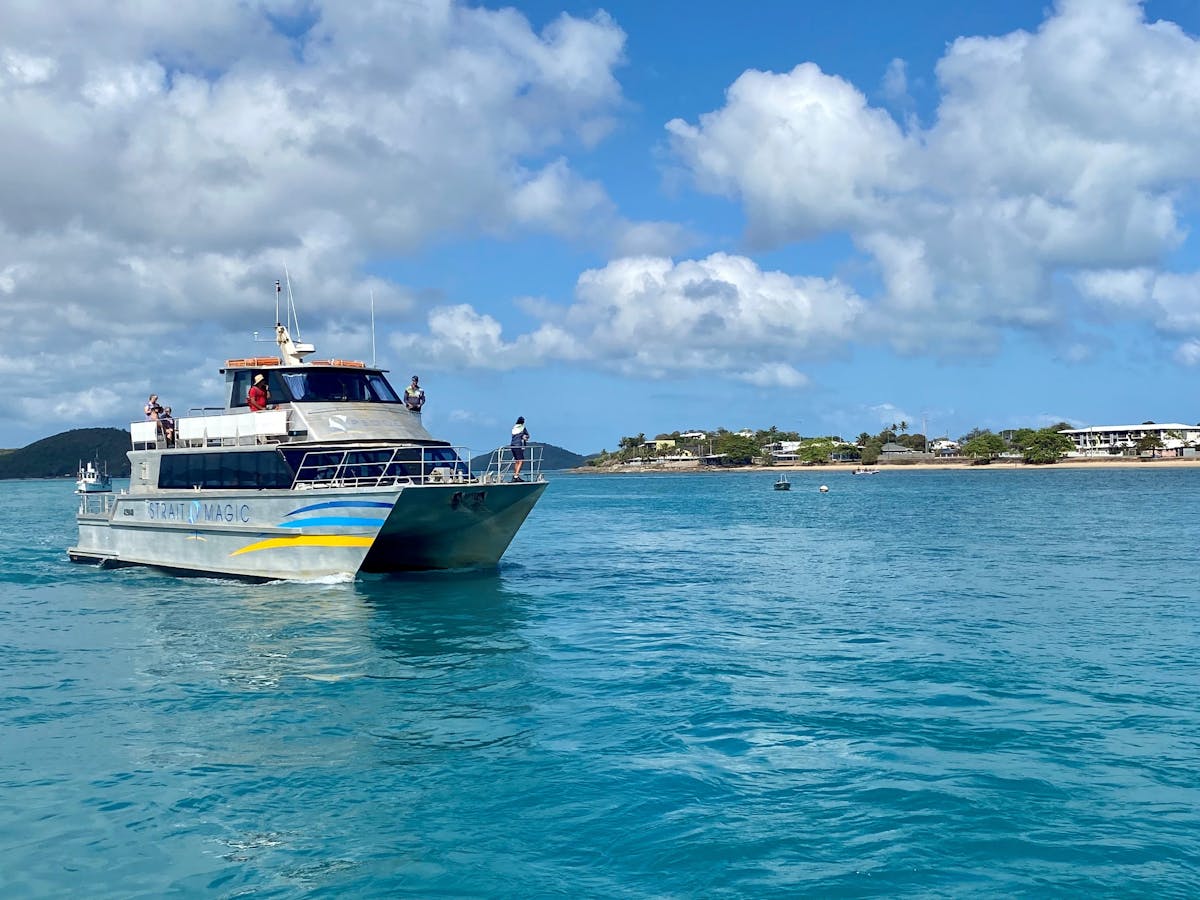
333,382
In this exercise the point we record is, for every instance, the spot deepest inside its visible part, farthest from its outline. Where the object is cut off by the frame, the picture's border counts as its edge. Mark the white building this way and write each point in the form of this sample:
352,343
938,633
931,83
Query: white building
784,451
1102,440
944,447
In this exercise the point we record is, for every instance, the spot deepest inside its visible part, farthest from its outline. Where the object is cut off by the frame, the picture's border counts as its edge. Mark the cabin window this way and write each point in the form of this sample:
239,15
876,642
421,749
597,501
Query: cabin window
243,378
382,390
315,385
228,470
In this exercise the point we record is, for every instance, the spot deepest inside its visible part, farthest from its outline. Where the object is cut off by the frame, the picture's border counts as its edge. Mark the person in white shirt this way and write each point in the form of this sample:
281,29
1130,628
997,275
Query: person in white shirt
520,437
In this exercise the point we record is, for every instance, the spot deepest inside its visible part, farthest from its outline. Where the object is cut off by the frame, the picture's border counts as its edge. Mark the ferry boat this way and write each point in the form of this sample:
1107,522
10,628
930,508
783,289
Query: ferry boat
91,479
337,476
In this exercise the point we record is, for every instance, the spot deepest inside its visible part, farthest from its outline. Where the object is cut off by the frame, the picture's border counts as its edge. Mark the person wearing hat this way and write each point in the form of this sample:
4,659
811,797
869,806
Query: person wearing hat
414,395
258,396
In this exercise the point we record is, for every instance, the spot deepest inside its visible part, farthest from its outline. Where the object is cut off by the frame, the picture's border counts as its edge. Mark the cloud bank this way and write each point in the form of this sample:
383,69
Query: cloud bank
1050,176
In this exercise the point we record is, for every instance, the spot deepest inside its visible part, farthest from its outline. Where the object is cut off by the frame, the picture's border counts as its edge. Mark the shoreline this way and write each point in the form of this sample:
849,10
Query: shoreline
1007,465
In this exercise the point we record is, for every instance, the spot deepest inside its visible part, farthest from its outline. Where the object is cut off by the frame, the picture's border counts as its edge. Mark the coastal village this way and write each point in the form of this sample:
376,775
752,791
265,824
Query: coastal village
896,446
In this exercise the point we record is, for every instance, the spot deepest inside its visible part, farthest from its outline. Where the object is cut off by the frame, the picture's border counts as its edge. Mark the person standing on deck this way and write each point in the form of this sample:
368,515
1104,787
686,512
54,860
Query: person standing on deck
258,396
520,437
414,395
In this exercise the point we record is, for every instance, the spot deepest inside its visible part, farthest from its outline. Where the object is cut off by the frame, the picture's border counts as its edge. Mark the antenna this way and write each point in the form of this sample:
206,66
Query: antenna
276,306
372,327
293,319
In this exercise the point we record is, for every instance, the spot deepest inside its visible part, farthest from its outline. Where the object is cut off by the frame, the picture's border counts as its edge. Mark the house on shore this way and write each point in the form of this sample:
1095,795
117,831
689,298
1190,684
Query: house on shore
893,452
1113,440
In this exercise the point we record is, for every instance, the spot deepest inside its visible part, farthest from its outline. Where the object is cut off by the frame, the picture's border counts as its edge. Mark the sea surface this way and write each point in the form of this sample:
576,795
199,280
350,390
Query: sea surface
919,684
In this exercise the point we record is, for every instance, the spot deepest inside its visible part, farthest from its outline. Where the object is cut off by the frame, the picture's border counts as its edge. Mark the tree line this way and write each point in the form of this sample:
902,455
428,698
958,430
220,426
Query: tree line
1037,446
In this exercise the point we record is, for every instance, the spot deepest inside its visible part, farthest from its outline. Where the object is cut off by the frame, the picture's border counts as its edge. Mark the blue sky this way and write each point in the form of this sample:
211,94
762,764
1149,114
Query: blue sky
611,219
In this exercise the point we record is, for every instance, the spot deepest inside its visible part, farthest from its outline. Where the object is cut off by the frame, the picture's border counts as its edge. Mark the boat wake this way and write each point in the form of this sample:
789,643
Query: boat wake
334,578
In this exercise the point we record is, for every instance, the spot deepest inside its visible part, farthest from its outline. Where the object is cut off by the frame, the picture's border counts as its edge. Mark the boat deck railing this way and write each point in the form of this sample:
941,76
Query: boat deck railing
235,430
97,503
408,465
502,466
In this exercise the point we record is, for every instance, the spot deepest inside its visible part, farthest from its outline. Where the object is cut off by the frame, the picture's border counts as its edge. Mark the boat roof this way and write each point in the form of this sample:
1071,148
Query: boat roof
274,362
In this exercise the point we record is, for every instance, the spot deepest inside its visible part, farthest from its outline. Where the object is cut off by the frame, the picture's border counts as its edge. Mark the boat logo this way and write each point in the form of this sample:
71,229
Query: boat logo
337,423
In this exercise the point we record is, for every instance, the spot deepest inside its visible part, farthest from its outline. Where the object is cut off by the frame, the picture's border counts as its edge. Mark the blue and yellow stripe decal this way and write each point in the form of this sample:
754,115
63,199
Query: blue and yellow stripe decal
308,540
326,521
342,504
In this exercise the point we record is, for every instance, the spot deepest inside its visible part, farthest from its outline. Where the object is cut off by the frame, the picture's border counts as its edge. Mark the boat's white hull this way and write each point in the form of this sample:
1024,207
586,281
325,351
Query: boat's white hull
298,534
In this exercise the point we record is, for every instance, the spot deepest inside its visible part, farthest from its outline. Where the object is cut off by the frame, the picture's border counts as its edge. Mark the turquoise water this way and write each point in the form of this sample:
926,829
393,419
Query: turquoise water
919,684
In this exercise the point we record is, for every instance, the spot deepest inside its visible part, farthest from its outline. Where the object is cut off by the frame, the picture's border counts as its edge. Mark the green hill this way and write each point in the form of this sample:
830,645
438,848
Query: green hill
60,454
552,458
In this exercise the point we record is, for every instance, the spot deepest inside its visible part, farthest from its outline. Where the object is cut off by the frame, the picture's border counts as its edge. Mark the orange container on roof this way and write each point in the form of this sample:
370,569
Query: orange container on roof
251,361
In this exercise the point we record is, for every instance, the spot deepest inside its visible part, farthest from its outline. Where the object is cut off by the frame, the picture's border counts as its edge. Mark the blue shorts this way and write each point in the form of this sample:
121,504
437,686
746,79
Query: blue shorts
518,452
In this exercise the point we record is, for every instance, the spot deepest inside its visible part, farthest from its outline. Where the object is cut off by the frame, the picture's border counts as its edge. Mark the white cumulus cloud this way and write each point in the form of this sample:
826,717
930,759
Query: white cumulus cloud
1060,150
656,317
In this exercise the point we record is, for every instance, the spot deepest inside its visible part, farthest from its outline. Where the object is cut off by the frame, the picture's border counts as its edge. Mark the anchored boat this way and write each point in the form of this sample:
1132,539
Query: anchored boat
338,476
92,479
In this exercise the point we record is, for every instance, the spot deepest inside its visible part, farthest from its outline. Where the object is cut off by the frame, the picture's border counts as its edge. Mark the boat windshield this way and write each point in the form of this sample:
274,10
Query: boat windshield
319,386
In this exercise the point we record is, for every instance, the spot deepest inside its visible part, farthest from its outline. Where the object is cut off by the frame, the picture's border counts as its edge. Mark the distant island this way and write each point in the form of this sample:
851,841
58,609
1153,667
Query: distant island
59,456
553,458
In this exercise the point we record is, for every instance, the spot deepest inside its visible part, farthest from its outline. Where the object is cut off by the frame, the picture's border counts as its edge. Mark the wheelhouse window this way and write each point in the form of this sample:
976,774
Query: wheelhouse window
338,386
316,385
243,378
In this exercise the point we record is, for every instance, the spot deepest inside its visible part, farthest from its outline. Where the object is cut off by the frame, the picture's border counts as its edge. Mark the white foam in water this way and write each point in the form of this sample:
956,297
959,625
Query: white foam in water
335,578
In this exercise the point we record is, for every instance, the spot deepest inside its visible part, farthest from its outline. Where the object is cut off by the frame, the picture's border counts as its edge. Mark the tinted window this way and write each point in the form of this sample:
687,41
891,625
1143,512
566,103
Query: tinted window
276,387
316,386
382,390
339,386
251,470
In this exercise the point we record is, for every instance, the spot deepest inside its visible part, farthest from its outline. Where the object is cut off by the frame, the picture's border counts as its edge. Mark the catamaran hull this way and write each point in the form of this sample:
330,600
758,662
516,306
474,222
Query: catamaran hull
291,534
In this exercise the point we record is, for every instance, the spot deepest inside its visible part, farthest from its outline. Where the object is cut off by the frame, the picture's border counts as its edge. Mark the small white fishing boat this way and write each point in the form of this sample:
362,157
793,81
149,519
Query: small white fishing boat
865,470
783,484
91,479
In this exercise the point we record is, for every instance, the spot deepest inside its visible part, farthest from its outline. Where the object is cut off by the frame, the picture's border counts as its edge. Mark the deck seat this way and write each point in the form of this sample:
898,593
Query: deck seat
144,435
246,425
270,425
189,432
221,431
